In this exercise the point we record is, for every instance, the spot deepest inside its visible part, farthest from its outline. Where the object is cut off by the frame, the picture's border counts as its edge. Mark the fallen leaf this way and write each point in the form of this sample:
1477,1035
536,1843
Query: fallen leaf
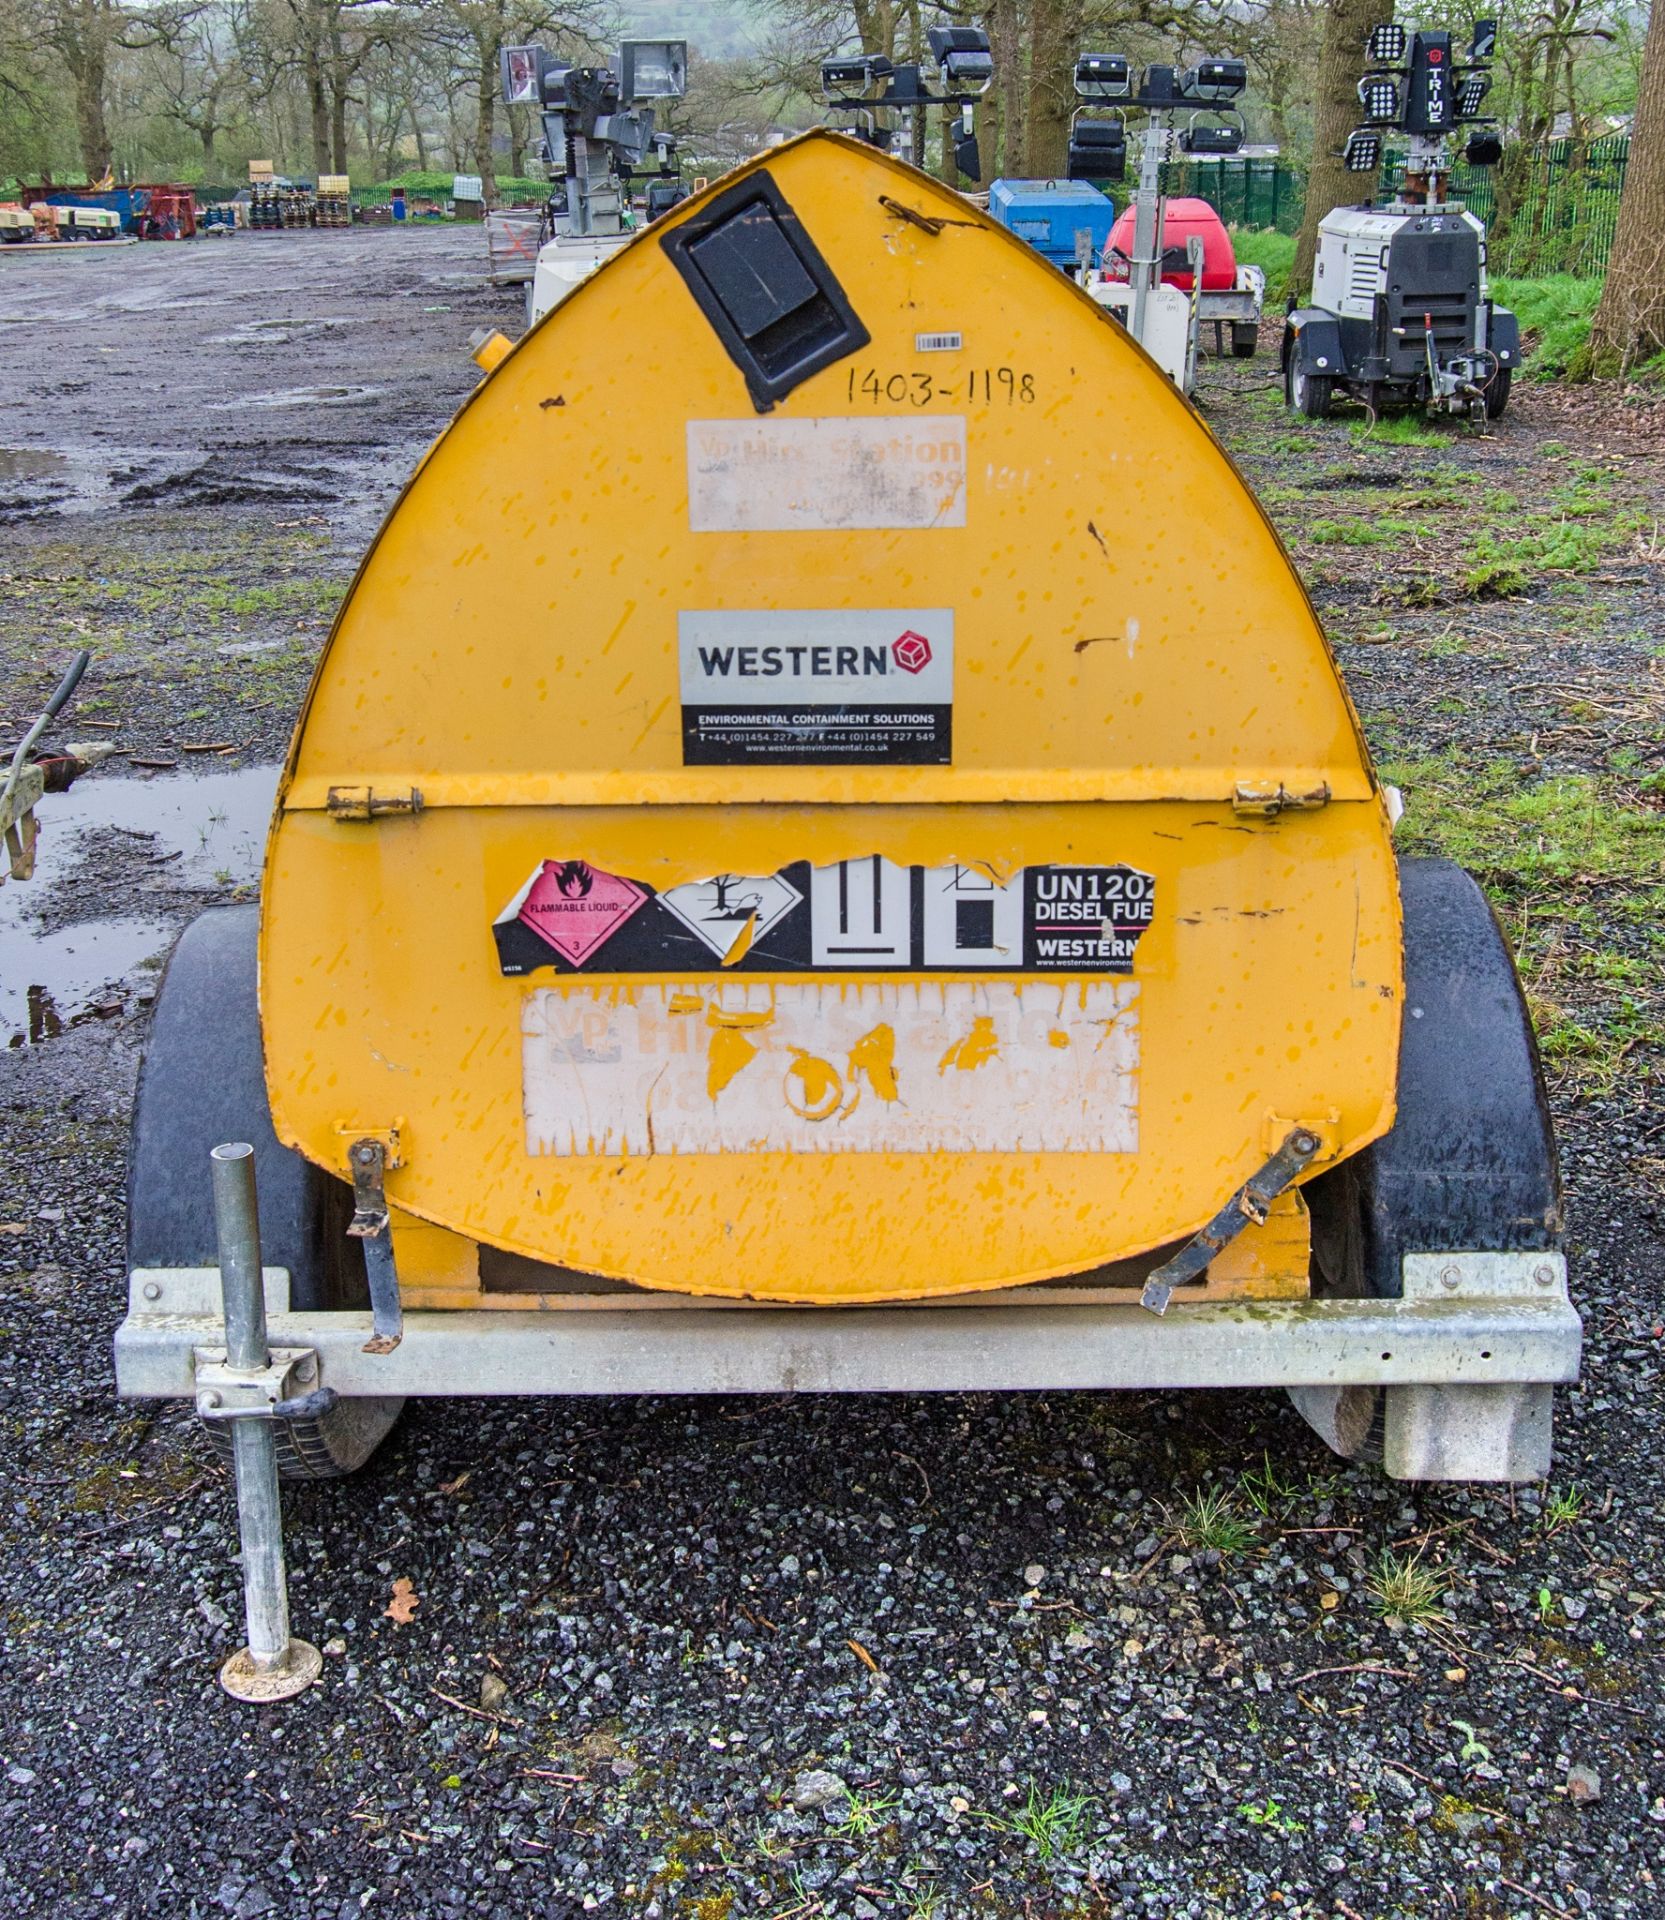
14,1226
457,1485
863,1655
402,1607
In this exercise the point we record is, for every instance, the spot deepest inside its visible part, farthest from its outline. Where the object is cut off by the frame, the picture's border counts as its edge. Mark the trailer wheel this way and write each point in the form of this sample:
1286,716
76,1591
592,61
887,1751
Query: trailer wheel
1470,1162
1245,337
203,1082
1308,393
1497,394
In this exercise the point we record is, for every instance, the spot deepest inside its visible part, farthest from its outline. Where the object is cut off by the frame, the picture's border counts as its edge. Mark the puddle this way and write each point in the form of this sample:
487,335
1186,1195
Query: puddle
267,333
31,463
302,397
174,834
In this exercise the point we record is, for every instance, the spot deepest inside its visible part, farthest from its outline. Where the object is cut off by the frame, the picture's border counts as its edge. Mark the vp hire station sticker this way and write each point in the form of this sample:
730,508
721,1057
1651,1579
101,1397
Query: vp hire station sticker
828,688
855,914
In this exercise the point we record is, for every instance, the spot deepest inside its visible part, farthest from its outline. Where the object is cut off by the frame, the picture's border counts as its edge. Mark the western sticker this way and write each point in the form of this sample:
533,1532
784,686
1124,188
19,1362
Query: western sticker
866,914
1085,919
807,1066
826,475
817,687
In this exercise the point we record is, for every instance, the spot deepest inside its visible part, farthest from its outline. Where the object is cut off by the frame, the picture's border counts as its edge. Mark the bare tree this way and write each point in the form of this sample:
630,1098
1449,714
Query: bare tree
196,70
1630,321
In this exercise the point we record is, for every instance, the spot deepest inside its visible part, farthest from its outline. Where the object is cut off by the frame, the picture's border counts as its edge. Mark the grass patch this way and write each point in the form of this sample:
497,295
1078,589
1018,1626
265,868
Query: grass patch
1050,1822
1272,252
1270,1813
1359,533
1404,1590
1208,1521
1555,314
1398,430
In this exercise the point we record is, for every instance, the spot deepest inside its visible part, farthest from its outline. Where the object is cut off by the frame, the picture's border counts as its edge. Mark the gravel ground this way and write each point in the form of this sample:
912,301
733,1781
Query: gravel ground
918,1656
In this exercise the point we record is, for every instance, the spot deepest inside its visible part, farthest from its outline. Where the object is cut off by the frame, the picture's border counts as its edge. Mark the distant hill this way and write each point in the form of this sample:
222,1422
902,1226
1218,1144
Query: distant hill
719,32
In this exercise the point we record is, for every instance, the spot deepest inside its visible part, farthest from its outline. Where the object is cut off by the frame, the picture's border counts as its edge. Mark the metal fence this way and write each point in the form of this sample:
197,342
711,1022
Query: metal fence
1551,209
1245,193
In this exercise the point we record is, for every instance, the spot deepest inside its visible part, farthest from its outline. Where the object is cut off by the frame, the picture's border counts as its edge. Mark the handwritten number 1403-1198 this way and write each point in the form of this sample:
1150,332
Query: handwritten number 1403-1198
991,385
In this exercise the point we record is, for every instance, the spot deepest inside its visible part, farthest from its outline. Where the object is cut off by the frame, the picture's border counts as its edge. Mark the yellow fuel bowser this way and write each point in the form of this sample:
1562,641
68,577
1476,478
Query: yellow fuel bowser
827,850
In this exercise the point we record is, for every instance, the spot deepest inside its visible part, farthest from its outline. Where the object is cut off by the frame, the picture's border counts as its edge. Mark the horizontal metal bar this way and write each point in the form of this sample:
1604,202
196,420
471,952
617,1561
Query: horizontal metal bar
912,1350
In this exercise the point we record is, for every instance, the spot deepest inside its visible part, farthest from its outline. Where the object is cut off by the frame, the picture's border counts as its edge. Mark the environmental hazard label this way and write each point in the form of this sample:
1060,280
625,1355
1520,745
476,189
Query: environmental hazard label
810,1066
850,916
817,687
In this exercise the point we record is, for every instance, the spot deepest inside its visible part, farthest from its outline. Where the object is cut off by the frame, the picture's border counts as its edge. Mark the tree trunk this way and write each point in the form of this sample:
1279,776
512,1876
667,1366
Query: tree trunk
418,136
1630,321
1005,148
1055,32
1335,114
91,126
485,125
317,99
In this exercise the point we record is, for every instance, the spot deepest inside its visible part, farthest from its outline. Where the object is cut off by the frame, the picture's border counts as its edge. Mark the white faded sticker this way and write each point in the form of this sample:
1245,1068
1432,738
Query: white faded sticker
826,475
951,1066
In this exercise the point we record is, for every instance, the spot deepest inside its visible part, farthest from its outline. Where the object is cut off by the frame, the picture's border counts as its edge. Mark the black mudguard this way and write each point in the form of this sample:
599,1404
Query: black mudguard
1312,341
1470,1162
203,1082
1503,336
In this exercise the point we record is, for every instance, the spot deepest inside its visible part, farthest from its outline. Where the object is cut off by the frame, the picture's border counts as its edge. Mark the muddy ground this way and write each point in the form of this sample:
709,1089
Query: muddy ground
1049,1678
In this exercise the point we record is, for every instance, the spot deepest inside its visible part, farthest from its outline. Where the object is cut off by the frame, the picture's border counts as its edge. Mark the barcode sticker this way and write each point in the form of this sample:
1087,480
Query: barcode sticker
938,342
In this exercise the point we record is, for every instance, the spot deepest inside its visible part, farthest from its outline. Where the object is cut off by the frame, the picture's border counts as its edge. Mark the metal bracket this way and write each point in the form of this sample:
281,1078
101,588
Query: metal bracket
225,1392
365,803
1251,1202
1266,799
372,1224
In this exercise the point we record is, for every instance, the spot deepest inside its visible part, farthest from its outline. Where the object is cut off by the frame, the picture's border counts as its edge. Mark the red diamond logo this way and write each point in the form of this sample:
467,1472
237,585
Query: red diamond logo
912,651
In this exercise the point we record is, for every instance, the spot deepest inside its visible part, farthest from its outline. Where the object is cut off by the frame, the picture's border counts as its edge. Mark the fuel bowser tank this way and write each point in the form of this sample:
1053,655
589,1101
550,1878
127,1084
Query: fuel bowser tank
826,788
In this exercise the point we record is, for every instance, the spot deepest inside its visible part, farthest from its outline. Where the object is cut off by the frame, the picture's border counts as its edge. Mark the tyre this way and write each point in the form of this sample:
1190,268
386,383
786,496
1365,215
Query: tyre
203,1081
1245,337
1470,1161
1307,393
1497,394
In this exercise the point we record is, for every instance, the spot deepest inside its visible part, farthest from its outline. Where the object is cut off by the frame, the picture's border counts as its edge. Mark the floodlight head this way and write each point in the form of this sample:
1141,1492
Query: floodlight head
1484,43
1363,152
653,69
1483,150
1214,80
861,74
1098,150
1379,97
1103,76
520,72
1386,45
1211,137
1471,91
964,56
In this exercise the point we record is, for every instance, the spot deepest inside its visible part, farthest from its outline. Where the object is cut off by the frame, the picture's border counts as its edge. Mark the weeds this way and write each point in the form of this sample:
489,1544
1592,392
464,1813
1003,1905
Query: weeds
864,1815
1405,1591
1264,1489
1563,1507
1051,1823
1209,1522
1269,1813
1473,1749
1398,430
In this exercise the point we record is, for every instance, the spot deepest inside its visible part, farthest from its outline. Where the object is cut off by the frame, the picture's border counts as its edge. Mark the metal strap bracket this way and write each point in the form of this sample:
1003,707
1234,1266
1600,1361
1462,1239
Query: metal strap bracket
1251,1202
369,1158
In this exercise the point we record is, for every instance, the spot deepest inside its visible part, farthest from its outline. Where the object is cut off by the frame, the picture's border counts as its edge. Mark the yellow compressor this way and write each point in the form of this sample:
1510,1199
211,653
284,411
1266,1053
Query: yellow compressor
827,850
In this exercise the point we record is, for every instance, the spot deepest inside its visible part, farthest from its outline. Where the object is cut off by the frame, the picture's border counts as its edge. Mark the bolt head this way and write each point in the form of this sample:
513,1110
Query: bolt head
152,1290
212,1398
1451,1276
306,1368
1544,1274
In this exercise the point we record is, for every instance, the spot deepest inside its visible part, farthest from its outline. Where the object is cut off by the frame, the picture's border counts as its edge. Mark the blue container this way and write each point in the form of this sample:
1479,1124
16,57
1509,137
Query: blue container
1050,213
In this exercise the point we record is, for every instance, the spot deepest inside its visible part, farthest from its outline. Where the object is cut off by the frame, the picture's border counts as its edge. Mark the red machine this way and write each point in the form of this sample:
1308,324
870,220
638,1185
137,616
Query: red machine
1182,219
